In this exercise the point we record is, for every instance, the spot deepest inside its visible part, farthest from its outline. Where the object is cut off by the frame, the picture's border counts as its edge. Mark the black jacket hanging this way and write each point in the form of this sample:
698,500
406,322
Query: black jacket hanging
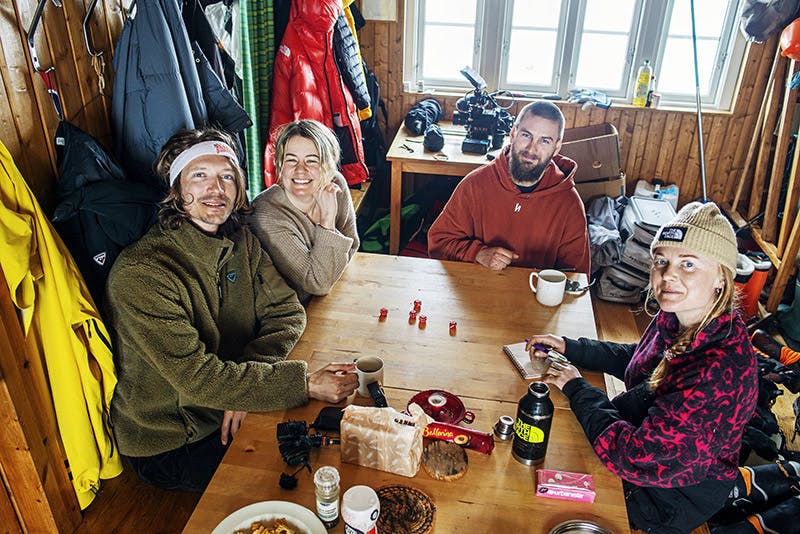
99,211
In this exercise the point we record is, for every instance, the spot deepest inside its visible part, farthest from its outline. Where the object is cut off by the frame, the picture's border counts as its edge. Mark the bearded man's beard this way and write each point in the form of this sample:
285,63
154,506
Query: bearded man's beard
526,174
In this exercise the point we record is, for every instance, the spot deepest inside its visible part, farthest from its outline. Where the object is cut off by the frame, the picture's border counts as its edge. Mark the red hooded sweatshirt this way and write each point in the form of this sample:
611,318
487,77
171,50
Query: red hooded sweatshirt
546,227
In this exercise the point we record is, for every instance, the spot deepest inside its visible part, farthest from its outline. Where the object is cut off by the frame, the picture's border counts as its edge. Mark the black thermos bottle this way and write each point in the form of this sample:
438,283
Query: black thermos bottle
532,427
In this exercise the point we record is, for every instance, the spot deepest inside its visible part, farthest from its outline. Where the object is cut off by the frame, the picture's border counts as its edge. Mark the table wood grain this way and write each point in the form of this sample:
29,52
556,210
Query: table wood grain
491,309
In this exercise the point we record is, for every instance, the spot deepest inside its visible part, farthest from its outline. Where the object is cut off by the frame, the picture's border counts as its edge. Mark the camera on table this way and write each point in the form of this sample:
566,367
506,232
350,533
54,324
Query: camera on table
295,443
479,113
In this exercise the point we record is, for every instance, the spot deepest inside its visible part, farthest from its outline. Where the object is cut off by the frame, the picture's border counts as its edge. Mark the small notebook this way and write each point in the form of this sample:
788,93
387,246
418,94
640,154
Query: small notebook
522,361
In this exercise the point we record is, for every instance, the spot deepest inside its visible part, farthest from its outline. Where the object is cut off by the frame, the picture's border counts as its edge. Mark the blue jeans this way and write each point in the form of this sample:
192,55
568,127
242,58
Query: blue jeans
188,468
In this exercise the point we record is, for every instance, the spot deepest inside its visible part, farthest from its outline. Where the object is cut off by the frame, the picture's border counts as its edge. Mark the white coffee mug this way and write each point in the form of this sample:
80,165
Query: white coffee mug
360,510
369,369
549,286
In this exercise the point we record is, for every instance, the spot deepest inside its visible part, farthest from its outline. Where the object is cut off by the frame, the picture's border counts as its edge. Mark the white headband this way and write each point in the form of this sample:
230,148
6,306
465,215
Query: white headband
206,148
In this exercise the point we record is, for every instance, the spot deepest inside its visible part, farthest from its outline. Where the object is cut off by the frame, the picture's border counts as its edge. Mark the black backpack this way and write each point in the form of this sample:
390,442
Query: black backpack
375,146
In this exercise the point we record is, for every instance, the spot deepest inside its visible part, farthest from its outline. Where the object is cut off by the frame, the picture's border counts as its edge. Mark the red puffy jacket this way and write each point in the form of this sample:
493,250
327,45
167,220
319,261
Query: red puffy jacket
307,85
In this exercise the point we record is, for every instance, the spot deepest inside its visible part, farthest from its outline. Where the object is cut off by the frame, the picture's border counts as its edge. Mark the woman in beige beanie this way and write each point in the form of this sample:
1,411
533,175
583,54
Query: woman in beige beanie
674,436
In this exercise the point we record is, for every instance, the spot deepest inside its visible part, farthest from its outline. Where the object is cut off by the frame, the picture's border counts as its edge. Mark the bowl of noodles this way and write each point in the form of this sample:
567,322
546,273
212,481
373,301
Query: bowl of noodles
271,517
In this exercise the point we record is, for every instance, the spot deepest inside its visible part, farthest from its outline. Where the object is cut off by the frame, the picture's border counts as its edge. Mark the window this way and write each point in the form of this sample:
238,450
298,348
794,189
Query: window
538,47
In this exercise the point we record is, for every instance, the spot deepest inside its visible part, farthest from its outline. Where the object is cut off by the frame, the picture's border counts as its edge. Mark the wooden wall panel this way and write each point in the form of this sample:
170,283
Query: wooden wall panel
31,460
23,114
39,489
654,143
8,516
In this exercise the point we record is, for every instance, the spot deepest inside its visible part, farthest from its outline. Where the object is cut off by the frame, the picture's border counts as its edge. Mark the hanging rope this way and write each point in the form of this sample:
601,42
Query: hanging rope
99,64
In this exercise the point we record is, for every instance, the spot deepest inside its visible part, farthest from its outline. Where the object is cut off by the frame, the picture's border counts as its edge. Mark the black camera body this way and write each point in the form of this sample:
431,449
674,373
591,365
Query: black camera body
482,117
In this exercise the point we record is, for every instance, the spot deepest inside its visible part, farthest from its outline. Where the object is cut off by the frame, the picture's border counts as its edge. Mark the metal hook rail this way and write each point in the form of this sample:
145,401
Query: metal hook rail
87,35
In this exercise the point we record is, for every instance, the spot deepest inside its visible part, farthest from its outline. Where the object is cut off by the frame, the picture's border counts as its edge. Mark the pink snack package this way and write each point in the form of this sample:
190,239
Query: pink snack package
564,485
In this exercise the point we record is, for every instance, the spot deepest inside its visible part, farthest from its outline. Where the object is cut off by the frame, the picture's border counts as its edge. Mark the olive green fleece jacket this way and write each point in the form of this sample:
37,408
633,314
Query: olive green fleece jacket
200,324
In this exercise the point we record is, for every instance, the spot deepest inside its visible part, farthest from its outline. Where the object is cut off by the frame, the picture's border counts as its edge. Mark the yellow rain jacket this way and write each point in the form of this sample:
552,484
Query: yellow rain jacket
61,323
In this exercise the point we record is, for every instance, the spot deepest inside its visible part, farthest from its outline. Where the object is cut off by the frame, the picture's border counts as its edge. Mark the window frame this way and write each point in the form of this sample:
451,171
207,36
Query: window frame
649,29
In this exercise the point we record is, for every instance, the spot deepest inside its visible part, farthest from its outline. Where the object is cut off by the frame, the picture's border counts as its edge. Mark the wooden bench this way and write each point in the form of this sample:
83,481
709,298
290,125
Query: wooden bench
358,195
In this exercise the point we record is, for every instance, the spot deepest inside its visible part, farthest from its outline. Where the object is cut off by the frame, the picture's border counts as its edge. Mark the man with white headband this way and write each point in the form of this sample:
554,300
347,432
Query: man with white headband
202,324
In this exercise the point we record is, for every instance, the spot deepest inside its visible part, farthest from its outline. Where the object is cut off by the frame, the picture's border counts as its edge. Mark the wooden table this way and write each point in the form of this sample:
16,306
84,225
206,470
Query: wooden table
491,309
449,161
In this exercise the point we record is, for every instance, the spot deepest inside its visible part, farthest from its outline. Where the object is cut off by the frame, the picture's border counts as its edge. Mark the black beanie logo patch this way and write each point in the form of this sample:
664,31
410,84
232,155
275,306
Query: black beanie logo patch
672,233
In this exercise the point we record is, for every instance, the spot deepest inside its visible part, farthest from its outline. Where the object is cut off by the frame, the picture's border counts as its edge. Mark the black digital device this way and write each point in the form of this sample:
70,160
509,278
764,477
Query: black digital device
329,419
376,392
295,443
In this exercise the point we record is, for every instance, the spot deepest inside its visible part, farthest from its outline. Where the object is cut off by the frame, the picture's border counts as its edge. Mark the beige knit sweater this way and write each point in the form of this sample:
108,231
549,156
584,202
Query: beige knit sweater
310,257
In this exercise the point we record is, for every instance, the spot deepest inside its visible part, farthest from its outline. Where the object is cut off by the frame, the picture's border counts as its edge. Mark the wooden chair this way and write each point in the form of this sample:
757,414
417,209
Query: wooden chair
358,195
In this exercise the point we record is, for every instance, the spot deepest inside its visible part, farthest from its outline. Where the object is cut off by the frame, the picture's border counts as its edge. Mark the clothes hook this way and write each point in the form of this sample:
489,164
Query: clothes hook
46,74
30,34
87,36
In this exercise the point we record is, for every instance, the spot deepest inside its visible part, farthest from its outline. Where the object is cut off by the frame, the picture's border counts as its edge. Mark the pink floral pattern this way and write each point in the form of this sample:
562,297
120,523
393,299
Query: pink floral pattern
693,429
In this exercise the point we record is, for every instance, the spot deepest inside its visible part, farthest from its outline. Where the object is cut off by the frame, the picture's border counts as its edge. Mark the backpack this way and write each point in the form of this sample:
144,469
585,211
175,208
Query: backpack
375,146
759,19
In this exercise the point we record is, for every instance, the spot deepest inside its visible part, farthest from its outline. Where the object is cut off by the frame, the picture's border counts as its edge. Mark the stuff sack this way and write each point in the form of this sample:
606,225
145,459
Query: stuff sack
621,283
383,438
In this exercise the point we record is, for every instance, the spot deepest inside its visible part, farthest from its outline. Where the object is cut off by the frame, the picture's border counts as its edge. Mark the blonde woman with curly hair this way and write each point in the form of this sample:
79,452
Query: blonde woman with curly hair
692,382
306,221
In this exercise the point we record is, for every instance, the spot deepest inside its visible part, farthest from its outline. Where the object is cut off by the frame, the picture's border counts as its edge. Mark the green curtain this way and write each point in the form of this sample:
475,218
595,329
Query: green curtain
258,55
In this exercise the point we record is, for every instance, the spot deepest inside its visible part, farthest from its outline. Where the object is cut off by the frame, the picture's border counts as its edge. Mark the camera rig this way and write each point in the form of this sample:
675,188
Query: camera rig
482,116
295,444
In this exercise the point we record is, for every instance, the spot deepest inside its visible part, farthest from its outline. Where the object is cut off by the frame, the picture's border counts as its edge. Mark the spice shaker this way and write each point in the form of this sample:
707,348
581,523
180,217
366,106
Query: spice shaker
326,480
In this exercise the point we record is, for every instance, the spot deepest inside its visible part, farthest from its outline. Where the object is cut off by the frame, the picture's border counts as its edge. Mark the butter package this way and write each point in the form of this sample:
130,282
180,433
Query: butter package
564,485
383,438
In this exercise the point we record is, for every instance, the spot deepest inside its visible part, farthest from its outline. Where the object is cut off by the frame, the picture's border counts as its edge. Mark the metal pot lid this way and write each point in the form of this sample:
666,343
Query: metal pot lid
579,526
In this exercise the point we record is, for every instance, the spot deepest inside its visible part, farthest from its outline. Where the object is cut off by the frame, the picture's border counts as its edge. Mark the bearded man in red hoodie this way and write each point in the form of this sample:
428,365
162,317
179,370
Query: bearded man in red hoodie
521,209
